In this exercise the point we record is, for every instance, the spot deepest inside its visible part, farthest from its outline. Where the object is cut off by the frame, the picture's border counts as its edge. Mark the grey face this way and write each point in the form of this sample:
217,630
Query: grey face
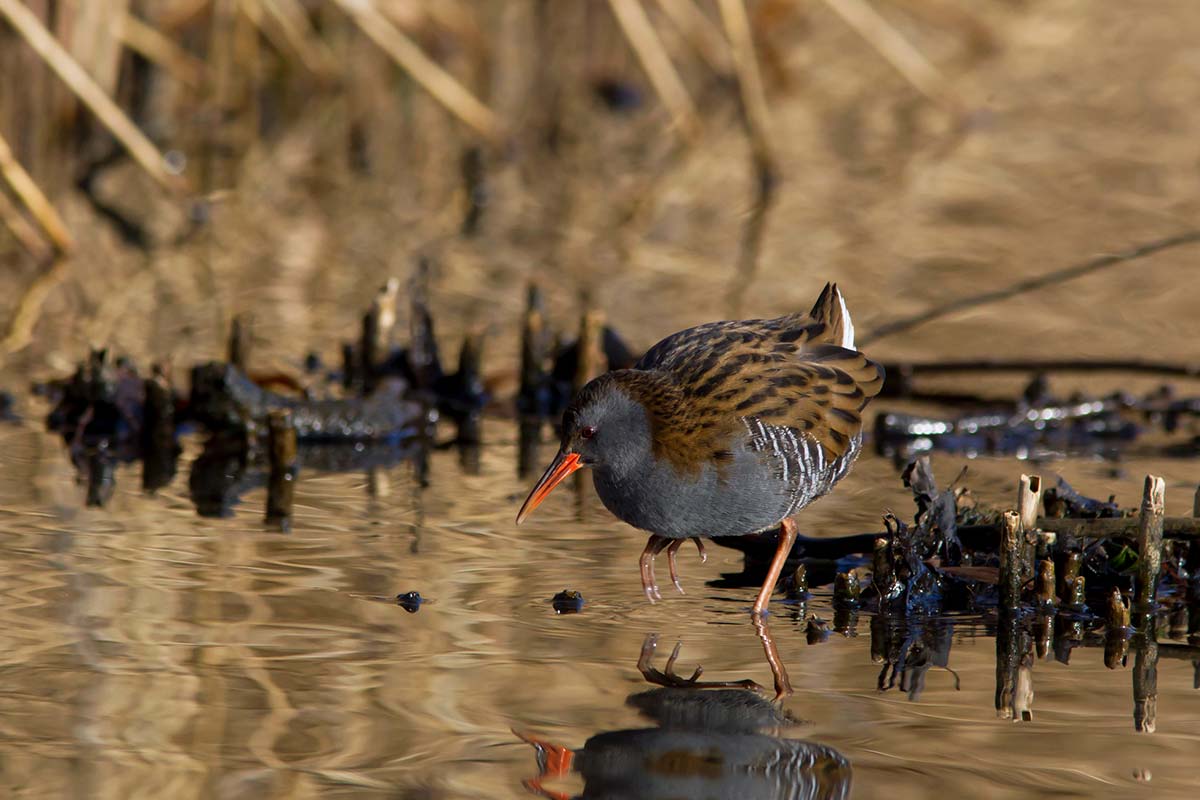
607,429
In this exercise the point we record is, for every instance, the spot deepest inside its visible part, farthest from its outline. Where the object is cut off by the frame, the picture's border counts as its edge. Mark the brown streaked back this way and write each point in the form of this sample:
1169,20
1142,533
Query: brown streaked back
699,384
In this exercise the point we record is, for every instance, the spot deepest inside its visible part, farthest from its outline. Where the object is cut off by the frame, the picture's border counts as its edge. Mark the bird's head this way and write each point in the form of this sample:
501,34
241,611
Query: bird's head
604,427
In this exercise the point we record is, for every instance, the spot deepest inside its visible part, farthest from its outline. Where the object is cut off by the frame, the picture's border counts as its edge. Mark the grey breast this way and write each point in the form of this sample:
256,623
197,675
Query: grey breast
774,473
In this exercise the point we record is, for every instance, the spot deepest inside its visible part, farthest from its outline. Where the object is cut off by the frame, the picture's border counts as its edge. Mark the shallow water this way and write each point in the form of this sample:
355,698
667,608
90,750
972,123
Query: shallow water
151,653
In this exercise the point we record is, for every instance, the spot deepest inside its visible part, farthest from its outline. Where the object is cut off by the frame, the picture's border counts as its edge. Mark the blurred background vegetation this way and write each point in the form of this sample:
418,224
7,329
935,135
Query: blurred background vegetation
673,160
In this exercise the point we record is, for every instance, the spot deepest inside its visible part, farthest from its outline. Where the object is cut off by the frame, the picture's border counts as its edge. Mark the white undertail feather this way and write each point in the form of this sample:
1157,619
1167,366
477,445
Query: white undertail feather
847,324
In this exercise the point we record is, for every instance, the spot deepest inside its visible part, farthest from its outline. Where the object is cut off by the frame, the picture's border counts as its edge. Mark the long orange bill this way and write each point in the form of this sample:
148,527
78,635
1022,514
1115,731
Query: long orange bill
562,466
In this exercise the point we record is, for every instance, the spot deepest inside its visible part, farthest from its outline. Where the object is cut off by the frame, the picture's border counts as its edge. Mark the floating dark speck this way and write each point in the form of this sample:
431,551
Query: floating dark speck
567,602
410,601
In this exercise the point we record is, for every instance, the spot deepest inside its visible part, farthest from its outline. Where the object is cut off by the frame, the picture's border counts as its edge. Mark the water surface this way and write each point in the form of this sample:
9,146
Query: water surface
149,652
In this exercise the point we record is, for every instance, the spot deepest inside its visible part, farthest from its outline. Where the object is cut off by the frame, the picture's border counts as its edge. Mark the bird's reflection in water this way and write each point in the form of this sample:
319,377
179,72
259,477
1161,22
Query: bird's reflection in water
707,742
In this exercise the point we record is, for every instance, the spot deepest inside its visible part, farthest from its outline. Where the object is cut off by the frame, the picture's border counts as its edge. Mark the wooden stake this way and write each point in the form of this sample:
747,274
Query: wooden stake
143,151
1150,536
34,200
654,60
432,78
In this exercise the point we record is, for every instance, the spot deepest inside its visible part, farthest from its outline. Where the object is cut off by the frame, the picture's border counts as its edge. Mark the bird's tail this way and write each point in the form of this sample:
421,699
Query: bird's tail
831,310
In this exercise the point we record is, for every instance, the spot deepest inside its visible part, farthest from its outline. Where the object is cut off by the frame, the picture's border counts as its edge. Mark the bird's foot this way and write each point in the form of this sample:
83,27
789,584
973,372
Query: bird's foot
668,677
672,549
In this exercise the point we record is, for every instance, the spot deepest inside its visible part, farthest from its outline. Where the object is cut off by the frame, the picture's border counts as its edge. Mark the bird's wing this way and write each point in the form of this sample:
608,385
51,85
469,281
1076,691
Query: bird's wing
783,373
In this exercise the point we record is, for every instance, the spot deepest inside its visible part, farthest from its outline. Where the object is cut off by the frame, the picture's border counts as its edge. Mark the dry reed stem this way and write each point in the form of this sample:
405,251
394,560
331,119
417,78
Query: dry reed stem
440,84
756,118
898,51
143,151
39,207
29,307
654,60
298,35
701,33
159,49
25,234
745,61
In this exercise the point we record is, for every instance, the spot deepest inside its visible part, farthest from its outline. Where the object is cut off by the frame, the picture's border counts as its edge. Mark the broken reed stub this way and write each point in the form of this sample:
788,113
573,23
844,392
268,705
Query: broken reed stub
1011,545
534,344
1150,536
281,482
1118,611
592,362
1145,685
239,341
1044,588
1072,563
377,327
1076,598
846,589
1029,500
797,586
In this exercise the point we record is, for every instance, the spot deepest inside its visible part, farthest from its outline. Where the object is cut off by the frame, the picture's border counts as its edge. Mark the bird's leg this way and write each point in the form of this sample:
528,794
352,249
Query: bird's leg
654,546
787,537
673,548
783,685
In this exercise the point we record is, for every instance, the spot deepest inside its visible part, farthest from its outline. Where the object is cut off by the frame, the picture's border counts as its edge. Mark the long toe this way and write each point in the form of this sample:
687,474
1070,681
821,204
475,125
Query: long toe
672,566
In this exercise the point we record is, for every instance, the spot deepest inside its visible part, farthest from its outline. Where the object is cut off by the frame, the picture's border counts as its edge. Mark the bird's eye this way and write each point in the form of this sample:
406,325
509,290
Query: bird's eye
587,432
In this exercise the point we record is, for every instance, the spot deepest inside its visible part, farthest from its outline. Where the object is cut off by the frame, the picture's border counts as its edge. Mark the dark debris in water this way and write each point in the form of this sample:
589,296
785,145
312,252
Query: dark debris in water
567,601
410,601
1036,424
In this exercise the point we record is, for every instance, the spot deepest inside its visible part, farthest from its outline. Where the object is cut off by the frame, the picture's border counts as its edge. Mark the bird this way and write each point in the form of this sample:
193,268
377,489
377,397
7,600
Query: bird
724,429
